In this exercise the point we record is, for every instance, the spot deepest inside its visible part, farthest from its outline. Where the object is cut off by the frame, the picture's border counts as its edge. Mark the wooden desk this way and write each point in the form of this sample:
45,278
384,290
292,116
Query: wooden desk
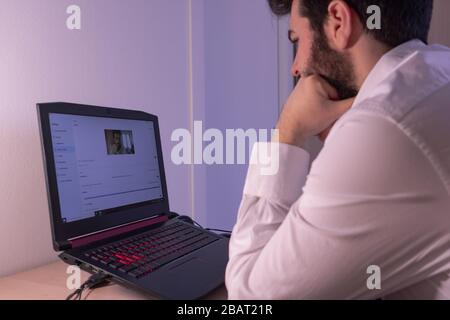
49,283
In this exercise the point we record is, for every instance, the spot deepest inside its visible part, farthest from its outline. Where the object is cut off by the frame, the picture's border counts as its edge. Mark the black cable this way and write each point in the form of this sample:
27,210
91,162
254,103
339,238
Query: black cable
73,294
218,230
95,281
223,233
192,221
198,224
189,220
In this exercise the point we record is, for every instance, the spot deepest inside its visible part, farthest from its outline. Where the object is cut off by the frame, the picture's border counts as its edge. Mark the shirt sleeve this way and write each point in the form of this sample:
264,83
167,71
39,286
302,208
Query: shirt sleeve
370,199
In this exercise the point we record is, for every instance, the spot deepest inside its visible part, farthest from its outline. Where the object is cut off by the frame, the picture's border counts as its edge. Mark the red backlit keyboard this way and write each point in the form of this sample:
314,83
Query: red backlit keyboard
139,255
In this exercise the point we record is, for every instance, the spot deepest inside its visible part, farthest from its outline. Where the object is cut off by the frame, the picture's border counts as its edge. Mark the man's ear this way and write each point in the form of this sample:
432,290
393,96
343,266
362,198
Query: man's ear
342,25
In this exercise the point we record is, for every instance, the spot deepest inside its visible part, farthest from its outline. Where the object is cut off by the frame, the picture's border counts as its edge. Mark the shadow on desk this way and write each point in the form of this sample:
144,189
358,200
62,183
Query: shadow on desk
49,283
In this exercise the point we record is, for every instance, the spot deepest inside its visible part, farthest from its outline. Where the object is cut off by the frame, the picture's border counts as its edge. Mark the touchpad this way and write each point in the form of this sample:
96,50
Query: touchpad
194,264
189,279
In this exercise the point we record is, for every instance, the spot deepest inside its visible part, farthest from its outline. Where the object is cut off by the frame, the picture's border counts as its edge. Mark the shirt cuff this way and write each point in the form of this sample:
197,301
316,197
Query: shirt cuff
277,172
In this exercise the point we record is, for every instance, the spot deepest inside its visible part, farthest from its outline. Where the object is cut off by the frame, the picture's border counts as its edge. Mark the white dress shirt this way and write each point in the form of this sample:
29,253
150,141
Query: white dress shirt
377,195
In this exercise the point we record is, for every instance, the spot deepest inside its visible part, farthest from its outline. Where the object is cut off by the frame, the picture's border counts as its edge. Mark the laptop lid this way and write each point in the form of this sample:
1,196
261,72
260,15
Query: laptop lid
104,168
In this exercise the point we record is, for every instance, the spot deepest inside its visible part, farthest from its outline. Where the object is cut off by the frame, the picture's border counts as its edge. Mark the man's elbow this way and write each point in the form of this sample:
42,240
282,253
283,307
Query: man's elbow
240,291
234,285
241,286
237,283
243,292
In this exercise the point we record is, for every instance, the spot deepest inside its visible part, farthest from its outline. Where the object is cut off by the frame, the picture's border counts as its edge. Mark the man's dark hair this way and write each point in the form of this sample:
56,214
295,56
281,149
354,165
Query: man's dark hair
402,20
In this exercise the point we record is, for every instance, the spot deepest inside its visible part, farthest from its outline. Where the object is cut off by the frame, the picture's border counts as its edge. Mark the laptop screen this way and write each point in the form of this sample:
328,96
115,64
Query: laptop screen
103,165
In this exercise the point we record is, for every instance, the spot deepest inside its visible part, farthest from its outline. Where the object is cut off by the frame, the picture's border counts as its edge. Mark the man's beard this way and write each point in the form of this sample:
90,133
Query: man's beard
335,67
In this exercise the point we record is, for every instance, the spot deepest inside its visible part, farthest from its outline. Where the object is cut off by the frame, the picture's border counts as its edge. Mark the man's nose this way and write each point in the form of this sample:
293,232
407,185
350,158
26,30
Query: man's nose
295,70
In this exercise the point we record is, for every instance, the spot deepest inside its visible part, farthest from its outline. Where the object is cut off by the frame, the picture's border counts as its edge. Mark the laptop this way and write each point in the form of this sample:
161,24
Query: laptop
109,205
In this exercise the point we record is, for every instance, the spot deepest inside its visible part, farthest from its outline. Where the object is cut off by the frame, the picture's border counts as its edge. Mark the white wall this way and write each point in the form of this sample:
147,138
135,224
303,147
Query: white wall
241,90
440,26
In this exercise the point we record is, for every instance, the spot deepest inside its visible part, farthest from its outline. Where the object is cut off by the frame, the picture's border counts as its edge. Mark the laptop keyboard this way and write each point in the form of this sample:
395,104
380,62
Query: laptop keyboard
140,255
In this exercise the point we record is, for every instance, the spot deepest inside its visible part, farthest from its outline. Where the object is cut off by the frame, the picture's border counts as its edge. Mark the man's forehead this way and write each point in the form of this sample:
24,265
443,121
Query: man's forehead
295,14
295,8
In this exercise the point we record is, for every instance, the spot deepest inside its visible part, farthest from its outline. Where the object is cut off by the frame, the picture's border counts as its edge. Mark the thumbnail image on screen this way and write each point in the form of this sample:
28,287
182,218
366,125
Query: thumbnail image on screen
119,142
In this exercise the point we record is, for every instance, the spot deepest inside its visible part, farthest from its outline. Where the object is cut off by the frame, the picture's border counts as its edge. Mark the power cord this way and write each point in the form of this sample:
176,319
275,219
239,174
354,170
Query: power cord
189,220
218,230
97,280
225,233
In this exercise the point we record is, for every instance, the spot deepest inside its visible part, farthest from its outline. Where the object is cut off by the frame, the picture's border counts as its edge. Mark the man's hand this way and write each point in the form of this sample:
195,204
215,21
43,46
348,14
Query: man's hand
311,110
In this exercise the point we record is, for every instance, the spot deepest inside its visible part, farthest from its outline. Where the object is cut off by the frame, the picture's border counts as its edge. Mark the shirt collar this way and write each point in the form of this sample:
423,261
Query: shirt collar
386,65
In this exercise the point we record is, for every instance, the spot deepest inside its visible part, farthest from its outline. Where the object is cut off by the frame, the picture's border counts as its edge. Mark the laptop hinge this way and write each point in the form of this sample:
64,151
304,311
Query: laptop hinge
83,241
64,245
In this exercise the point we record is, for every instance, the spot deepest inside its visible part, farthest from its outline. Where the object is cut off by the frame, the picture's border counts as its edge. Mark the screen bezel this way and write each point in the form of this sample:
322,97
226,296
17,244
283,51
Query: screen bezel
64,231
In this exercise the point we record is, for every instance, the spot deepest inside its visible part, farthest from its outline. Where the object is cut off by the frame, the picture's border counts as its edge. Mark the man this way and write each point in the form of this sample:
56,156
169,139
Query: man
116,145
371,219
